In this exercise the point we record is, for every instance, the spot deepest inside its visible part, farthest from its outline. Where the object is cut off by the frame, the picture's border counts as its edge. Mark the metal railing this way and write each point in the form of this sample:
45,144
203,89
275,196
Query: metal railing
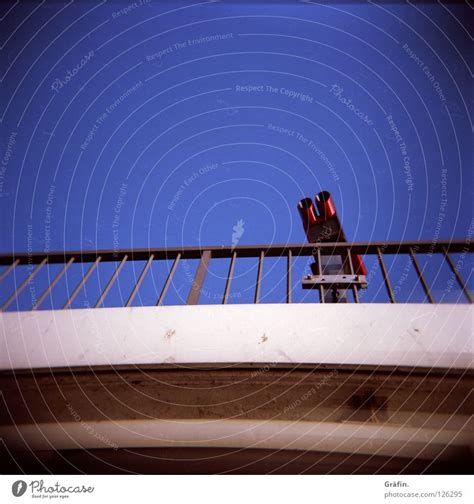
36,261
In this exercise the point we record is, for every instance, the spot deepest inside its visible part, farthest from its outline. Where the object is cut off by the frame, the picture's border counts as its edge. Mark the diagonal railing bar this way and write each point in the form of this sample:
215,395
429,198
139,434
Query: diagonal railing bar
81,284
168,280
258,282
9,269
386,278
198,282
111,282
454,269
230,274
51,286
25,282
140,281
355,291
289,265
421,277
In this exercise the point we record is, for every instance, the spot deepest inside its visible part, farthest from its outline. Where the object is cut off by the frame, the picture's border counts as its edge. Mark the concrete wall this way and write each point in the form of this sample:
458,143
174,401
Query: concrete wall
365,334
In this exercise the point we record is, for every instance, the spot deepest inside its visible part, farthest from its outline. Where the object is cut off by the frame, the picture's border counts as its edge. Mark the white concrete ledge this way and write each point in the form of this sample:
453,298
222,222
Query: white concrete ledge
365,334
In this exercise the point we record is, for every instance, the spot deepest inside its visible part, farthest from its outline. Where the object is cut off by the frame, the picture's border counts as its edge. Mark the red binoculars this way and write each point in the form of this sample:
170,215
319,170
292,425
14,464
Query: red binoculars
322,225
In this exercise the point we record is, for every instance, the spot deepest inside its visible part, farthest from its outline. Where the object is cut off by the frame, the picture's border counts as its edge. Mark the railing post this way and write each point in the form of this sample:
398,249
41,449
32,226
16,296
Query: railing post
196,287
19,290
229,278
454,269
140,281
419,272
80,285
288,276
52,285
320,272
10,268
111,282
168,281
355,292
259,277
386,278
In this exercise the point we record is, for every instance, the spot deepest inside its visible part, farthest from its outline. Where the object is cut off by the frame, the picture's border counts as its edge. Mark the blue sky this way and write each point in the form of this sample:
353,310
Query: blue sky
151,124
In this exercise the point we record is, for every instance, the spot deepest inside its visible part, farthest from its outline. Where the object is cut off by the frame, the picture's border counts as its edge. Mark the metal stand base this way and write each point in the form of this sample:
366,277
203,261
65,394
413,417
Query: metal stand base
334,281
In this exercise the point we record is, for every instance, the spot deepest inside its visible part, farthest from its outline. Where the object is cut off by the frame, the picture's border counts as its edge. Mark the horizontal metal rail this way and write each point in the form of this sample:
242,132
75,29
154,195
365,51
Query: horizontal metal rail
296,249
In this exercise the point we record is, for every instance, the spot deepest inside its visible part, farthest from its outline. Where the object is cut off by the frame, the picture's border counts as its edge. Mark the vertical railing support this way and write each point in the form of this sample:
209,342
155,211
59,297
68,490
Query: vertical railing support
420,275
355,292
168,281
457,275
229,278
52,284
27,280
140,281
12,266
196,287
111,282
288,276
386,278
80,285
259,277
320,272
